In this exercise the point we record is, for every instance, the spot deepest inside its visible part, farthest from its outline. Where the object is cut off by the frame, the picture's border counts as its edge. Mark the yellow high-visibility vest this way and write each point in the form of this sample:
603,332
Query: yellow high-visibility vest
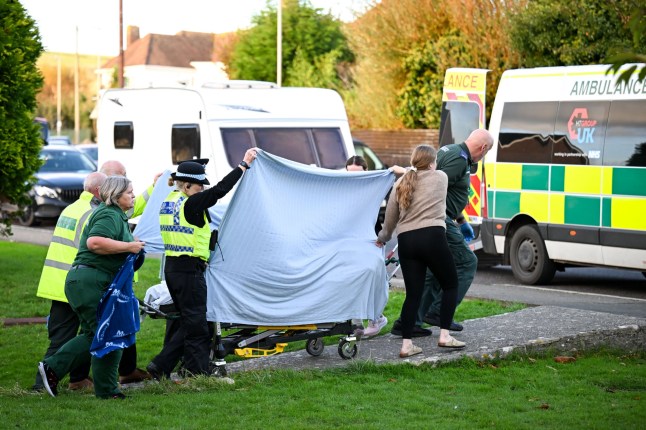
64,247
179,236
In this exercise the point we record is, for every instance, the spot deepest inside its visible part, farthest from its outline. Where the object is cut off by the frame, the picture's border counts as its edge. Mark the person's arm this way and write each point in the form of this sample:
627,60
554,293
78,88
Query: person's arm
202,201
391,218
104,246
454,166
397,170
98,243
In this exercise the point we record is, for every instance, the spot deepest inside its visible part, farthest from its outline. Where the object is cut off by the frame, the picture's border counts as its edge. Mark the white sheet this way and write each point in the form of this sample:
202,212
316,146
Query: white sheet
297,247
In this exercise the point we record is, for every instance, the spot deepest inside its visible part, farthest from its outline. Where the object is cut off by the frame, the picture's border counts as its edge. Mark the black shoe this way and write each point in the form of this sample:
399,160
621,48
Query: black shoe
38,388
50,380
417,330
155,372
435,321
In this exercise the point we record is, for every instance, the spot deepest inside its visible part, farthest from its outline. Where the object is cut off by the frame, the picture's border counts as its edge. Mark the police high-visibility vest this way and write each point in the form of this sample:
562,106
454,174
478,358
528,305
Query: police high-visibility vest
179,236
64,247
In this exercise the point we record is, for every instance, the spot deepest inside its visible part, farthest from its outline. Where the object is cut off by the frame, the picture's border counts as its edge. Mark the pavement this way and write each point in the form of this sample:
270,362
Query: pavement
531,330
558,329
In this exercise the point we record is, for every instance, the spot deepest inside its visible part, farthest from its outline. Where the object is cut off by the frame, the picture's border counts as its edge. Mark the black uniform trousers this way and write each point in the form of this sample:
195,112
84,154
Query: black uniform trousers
192,337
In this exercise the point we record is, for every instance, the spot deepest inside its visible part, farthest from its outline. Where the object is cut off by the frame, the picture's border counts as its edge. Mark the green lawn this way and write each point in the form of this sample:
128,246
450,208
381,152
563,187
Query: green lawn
603,389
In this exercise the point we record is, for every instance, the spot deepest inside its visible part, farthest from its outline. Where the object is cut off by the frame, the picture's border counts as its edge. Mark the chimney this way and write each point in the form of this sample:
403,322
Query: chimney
133,35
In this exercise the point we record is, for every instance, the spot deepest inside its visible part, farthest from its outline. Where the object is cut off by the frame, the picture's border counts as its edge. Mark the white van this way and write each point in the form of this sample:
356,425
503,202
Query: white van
152,129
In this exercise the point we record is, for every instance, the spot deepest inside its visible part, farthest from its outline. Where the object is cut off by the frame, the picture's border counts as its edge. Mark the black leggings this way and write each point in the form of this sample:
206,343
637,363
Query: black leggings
420,249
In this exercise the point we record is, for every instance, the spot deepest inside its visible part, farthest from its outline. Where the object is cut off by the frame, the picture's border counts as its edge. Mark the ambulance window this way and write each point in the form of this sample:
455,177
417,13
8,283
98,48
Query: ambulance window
124,135
293,144
185,142
329,146
626,134
236,142
579,133
526,132
457,122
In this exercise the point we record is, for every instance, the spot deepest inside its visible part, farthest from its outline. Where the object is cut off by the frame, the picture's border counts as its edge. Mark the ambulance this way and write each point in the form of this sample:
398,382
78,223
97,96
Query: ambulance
463,110
566,179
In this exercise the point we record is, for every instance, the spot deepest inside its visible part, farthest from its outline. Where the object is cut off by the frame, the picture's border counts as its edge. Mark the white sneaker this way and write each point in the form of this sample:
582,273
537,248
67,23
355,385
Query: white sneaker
375,326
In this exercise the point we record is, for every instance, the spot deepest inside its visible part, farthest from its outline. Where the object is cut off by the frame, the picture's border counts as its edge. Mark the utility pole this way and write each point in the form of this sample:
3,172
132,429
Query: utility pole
59,123
122,57
77,112
279,45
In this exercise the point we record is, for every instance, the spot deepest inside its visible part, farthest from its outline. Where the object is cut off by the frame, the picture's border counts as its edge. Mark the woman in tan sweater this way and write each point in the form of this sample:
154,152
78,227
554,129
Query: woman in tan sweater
418,211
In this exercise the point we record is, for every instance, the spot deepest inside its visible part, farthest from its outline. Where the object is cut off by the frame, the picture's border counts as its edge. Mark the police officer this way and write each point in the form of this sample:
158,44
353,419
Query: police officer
455,160
184,222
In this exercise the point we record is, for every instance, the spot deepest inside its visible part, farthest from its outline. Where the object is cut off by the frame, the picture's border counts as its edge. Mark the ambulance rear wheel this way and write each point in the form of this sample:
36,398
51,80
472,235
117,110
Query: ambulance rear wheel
528,256
314,347
347,350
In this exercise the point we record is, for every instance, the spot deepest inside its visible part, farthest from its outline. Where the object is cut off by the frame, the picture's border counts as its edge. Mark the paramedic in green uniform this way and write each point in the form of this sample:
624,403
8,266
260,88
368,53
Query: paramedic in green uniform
455,160
105,243
184,223
63,323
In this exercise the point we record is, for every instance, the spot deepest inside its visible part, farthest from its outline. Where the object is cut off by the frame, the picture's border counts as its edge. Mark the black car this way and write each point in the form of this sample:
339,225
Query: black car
60,182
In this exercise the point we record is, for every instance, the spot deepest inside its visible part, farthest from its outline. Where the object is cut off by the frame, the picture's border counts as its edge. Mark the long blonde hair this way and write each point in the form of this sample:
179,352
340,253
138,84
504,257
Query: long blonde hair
423,156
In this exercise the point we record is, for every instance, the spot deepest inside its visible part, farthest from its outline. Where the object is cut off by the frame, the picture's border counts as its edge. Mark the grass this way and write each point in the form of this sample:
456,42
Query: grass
603,389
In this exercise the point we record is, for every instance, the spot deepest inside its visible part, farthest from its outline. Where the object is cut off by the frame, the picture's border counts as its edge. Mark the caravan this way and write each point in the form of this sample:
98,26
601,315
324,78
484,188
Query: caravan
153,129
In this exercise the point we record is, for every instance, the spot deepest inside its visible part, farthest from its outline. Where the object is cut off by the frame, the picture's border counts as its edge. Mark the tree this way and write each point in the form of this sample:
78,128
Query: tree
20,81
556,33
637,26
311,39
403,48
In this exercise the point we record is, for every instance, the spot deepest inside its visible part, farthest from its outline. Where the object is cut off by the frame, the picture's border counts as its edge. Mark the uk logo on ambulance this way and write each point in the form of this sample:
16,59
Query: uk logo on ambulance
581,130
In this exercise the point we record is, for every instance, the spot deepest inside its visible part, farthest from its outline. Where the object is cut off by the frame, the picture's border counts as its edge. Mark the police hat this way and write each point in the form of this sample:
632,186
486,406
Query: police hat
190,171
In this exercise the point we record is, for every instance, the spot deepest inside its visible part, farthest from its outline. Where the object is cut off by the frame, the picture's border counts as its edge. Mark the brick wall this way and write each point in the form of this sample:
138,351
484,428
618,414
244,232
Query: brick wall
396,146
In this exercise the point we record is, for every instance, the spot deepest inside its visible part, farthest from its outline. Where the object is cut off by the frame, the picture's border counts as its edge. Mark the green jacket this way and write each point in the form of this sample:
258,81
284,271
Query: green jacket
455,160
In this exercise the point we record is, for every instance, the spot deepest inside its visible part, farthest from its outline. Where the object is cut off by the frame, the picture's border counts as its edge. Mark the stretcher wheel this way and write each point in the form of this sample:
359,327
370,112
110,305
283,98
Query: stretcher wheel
219,372
347,349
314,347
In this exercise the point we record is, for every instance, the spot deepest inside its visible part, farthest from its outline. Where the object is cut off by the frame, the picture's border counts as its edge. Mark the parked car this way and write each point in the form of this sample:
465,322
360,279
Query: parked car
374,163
373,160
59,140
60,182
91,150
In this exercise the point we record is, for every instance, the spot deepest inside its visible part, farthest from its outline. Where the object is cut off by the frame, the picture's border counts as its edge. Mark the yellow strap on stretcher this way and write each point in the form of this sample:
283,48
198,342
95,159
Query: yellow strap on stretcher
259,352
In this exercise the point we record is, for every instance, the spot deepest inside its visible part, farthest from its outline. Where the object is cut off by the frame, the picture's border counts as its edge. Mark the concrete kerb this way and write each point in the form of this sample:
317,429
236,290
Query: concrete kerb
531,331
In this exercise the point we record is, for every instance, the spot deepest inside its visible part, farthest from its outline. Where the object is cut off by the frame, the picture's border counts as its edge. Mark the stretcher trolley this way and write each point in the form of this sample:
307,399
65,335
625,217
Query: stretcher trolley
252,341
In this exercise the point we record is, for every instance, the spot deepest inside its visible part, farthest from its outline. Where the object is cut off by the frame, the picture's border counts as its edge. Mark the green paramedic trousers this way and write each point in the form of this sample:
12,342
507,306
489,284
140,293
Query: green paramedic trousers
84,287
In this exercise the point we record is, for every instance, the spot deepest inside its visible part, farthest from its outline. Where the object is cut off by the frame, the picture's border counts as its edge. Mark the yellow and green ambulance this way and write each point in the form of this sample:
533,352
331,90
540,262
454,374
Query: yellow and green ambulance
566,178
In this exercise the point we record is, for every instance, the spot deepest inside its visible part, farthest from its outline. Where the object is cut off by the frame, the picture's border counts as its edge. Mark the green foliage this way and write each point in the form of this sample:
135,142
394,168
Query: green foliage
20,81
313,48
404,47
420,100
637,25
556,33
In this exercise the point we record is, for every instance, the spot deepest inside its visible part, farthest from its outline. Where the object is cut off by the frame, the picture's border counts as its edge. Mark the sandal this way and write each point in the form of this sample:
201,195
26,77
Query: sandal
453,343
414,349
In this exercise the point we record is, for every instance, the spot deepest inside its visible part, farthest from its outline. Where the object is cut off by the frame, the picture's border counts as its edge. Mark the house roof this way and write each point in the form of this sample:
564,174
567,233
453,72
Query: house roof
173,50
